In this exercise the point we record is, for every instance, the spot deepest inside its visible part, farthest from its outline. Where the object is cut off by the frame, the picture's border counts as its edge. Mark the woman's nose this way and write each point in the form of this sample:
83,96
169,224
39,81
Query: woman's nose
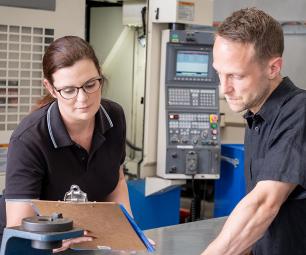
82,95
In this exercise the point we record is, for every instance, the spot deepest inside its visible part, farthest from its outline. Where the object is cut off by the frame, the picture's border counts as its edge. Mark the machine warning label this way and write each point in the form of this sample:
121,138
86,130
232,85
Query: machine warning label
185,11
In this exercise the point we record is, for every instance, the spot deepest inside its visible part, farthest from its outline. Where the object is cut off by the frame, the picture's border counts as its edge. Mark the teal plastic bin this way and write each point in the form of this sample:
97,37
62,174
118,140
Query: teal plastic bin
231,187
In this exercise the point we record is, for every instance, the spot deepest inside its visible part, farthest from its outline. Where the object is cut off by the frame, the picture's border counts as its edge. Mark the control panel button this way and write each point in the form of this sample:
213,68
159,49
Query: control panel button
214,125
204,134
173,169
214,131
174,139
213,118
184,140
174,155
173,116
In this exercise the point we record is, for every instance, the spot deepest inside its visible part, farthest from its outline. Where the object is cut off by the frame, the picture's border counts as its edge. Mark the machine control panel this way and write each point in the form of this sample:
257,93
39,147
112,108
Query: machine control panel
189,132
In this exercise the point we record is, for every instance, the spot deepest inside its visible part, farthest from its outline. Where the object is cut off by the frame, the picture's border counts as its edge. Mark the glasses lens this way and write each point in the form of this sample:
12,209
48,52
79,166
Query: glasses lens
92,86
69,93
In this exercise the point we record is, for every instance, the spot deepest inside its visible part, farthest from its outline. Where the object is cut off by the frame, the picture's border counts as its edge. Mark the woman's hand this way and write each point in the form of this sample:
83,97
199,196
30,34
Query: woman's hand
151,241
69,242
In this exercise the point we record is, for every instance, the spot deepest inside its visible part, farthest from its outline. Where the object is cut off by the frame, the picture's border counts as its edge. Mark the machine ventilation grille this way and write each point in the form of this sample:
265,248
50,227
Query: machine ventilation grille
21,51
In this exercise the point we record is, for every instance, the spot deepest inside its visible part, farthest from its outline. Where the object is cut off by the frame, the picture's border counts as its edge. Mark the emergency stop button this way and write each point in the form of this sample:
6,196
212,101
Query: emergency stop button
213,118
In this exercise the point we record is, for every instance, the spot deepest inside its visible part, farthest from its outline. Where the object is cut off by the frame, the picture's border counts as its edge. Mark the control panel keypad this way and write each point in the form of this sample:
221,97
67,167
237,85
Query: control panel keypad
192,97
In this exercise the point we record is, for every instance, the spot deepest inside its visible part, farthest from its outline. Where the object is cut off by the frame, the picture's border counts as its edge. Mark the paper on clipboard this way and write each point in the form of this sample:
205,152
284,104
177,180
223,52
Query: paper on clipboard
107,221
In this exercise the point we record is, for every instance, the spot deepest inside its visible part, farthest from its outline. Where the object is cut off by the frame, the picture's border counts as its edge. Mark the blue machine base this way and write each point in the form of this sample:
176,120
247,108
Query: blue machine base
17,241
157,210
230,188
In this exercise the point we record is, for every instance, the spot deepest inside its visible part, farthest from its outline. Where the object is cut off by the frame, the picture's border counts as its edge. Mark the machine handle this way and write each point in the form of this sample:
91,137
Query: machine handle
233,161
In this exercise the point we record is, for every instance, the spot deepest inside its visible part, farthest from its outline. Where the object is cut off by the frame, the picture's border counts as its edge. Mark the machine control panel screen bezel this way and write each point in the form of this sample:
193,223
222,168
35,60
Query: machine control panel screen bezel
189,63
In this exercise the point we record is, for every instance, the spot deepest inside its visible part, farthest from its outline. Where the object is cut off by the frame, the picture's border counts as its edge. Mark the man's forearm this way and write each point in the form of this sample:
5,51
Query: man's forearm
244,226
250,219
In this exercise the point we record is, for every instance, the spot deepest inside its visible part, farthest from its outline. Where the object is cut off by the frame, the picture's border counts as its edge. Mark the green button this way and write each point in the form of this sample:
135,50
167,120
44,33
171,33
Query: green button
213,125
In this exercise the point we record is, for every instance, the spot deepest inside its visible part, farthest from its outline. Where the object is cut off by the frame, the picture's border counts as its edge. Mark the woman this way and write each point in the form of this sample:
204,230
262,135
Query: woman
75,138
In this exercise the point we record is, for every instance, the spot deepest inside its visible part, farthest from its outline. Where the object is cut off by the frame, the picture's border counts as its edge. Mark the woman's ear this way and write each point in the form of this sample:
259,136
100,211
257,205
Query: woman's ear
49,87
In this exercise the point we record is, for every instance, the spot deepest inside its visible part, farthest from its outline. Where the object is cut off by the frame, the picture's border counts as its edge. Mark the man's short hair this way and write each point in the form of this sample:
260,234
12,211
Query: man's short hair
256,27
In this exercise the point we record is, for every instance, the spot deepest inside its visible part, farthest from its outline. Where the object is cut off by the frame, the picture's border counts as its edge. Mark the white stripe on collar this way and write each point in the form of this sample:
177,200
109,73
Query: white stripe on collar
49,125
49,122
107,116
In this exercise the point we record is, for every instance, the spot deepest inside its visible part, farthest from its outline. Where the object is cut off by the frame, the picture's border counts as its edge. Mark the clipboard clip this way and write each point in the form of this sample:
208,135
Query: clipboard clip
75,194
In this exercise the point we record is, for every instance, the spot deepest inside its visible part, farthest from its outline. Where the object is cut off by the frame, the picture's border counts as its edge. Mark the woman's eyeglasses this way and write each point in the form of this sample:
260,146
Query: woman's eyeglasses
88,87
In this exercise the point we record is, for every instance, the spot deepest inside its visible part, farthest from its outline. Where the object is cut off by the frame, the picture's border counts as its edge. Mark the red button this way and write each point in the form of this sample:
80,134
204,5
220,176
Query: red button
213,118
173,116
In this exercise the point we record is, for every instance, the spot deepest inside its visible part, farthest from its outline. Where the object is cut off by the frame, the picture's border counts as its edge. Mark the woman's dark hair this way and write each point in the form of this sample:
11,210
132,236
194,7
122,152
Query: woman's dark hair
65,52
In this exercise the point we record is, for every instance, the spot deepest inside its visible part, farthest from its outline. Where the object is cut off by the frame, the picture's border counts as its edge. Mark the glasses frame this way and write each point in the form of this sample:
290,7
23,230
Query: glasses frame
100,79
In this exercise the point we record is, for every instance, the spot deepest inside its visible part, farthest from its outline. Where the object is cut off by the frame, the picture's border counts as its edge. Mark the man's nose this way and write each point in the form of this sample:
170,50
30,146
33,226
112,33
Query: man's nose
225,85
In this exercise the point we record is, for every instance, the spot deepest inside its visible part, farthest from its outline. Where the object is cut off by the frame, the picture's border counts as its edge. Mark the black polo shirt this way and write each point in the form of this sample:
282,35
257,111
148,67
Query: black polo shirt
43,162
275,149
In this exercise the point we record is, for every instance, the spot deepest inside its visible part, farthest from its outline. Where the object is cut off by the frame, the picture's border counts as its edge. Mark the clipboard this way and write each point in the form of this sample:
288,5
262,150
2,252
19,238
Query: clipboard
108,222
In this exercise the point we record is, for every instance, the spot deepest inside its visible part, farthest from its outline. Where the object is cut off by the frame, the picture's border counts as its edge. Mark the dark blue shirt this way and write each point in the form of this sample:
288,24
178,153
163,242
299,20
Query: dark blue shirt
275,149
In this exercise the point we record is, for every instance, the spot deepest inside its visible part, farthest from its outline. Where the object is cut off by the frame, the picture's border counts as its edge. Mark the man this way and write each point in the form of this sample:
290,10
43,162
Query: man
271,218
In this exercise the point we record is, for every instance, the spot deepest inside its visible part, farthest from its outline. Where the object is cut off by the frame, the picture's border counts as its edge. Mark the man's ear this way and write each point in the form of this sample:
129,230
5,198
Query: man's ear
49,87
275,66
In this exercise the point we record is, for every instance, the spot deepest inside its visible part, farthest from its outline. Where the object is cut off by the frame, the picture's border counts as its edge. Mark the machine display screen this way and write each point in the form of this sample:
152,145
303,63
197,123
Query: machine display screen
192,63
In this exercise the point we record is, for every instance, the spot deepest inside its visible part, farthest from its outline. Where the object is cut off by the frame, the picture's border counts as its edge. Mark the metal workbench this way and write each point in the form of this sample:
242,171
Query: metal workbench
189,238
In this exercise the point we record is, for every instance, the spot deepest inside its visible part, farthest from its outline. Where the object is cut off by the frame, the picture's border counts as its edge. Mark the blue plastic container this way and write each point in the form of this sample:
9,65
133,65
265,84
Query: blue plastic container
157,210
231,187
